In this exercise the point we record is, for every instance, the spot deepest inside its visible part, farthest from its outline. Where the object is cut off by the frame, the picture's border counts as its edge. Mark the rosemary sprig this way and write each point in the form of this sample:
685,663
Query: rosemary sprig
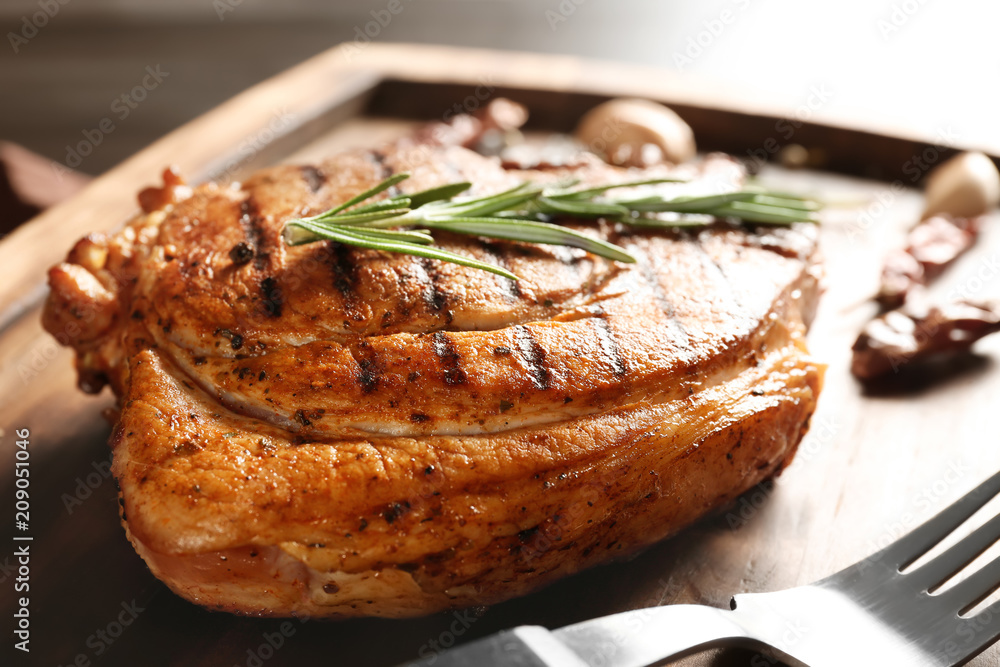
401,223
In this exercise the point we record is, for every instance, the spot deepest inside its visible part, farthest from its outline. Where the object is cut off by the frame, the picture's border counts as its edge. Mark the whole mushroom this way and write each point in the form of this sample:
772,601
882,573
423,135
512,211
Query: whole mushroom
636,132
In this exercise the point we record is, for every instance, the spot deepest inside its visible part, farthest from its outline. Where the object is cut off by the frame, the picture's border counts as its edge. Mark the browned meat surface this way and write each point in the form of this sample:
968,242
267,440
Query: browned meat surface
336,432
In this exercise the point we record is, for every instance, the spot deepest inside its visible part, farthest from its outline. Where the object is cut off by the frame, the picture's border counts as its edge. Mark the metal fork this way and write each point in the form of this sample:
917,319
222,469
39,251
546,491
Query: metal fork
870,613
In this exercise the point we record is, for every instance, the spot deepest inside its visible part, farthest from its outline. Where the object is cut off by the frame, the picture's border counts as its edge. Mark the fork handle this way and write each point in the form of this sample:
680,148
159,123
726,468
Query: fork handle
649,636
523,646
630,639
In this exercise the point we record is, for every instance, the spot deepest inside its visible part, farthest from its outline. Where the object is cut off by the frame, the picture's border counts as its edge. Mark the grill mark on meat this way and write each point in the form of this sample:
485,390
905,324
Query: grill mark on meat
253,227
651,271
568,256
313,176
534,357
435,297
367,378
415,271
345,279
385,170
511,288
274,300
660,295
722,282
370,368
609,345
240,254
444,348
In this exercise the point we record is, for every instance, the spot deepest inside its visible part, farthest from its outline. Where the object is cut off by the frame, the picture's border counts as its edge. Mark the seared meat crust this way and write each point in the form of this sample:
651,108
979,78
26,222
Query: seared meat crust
331,431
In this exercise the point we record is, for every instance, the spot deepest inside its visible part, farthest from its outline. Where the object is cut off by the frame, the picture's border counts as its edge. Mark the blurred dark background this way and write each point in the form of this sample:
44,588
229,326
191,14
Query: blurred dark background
919,64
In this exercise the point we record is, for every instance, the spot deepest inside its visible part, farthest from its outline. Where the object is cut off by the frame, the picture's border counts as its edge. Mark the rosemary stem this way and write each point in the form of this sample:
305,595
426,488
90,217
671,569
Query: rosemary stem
521,213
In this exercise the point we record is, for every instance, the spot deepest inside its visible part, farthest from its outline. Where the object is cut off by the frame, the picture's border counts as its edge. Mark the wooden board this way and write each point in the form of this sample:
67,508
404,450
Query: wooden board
873,465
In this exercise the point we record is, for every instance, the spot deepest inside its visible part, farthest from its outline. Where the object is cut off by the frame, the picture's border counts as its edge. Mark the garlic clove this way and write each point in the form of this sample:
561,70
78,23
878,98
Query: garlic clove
965,186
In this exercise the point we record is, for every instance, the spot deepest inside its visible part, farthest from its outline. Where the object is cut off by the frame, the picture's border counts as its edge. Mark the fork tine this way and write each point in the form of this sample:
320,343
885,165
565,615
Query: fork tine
973,589
938,570
909,548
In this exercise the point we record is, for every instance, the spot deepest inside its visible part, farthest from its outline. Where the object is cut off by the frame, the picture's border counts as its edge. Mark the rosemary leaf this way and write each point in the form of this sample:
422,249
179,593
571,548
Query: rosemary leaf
400,202
364,239
580,209
531,232
685,204
420,236
520,213
484,206
762,214
442,193
313,231
786,202
367,194
365,218
587,193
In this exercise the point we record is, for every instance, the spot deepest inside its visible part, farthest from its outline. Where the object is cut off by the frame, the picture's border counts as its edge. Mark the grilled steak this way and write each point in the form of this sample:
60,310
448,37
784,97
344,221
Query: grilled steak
330,431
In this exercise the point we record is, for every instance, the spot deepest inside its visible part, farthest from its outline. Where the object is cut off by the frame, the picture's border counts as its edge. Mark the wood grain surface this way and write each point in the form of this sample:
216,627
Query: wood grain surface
875,463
